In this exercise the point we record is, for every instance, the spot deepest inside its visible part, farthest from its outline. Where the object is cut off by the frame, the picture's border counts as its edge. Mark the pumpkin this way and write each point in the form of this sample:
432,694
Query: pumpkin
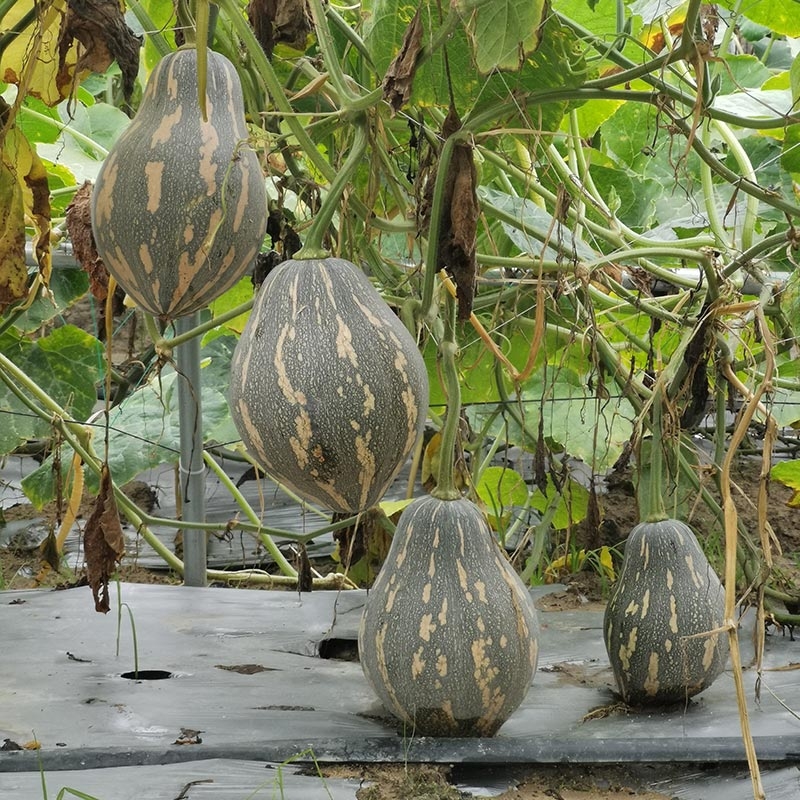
328,389
448,637
179,206
657,624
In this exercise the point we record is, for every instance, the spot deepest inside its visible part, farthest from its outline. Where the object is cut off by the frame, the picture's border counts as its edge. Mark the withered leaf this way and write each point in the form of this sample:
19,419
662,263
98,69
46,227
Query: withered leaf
459,221
399,79
305,577
99,26
79,227
103,542
13,269
279,21
244,669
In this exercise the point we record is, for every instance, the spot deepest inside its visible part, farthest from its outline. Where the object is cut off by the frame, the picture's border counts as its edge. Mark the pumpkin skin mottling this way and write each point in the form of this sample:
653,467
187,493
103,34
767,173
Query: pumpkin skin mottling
328,389
179,207
667,592
448,638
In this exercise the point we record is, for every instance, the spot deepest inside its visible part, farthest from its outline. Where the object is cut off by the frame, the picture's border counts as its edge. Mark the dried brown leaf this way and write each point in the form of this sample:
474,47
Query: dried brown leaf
99,26
399,79
459,223
279,22
79,227
103,542
305,576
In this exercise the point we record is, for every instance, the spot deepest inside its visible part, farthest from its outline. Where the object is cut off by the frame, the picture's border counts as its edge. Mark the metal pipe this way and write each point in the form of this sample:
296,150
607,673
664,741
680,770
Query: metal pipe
191,471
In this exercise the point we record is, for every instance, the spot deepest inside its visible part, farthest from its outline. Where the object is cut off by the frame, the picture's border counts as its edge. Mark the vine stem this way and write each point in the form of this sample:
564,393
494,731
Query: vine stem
313,247
445,483
730,517
326,47
285,567
654,510
429,309
164,346
746,168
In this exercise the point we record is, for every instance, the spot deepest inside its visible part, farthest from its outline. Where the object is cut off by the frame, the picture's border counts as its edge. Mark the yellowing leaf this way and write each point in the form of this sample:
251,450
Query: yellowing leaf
13,272
607,563
788,473
32,191
31,61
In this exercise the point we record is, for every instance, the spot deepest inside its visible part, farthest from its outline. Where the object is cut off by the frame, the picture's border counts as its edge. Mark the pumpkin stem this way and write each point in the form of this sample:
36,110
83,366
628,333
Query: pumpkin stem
313,247
445,482
654,510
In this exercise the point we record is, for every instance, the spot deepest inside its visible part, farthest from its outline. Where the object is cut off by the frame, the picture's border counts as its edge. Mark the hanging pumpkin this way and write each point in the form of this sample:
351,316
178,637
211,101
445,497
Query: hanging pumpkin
328,389
179,205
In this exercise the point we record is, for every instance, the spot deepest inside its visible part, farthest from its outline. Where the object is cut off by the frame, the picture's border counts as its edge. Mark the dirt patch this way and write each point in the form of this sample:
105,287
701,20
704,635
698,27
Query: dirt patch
439,782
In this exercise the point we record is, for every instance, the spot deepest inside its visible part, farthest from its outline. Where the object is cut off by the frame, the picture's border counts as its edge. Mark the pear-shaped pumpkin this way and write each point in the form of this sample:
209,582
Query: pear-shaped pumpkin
179,207
662,624
328,389
448,638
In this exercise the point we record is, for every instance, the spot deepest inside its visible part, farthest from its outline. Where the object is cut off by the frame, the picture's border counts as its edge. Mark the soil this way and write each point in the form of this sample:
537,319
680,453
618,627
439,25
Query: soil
578,782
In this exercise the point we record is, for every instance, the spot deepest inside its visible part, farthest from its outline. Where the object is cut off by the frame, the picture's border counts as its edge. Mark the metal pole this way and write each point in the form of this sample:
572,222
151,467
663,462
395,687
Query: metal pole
191,473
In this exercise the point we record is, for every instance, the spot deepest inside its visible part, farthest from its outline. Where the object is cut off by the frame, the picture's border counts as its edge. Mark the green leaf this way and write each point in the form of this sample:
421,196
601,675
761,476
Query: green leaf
778,16
742,72
790,153
503,32
788,473
592,115
501,488
532,226
39,123
794,78
598,16
67,285
573,420
67,364
476,364
573,503
235,296
557,63
102,123
636,197
756,103
144,431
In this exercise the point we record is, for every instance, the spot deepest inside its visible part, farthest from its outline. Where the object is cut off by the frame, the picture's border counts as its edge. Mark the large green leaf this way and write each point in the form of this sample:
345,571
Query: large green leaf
501,488
67,285
67,364
788,473
556,64
633,199
477,366
572,505
790,155
533,226
144,431
572,419
779,16
503,32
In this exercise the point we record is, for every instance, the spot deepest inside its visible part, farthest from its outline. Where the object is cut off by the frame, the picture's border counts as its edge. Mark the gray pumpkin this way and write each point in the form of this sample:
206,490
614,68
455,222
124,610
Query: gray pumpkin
179,208
328,389
667,594
448,638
